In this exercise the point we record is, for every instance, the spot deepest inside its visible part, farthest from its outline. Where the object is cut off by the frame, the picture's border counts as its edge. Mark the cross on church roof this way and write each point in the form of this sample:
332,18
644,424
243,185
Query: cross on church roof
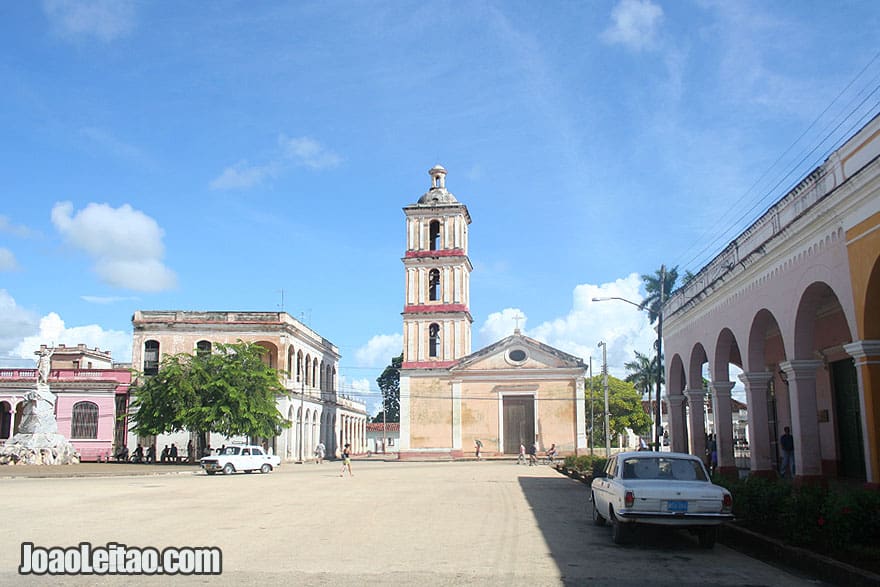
517,318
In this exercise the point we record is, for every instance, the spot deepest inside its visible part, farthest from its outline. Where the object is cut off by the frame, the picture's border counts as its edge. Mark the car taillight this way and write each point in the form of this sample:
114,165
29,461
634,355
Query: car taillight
629,499
727,502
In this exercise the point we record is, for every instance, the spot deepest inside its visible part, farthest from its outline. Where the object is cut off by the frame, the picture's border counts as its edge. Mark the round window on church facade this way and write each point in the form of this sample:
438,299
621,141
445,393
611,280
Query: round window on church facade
517,356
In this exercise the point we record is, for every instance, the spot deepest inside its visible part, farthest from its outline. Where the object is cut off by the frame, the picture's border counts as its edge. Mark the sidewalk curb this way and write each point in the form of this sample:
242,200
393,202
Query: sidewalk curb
772,550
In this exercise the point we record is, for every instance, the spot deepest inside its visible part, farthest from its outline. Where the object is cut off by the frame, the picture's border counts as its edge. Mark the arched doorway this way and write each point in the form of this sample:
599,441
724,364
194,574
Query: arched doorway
5,420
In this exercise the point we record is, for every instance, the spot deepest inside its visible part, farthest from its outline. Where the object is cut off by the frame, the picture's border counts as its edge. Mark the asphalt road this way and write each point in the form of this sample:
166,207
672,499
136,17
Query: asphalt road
462,523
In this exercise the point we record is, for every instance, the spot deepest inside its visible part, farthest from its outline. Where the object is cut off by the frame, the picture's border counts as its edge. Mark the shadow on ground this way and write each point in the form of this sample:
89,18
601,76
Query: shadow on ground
560,506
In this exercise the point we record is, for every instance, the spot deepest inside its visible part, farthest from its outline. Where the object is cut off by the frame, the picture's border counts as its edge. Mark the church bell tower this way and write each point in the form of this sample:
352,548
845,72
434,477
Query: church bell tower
436,314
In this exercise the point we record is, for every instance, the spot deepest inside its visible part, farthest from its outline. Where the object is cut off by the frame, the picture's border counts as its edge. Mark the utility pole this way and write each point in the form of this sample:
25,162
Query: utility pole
605,385
592,415
658,413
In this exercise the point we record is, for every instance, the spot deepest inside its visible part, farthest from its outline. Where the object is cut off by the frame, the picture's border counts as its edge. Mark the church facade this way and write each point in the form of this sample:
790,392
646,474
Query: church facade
515,391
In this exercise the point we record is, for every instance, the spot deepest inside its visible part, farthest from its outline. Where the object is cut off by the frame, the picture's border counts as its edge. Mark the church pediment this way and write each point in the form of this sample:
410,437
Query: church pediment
517,352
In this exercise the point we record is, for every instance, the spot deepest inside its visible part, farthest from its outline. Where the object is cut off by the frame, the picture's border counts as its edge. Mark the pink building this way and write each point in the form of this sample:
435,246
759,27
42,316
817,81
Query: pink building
90,391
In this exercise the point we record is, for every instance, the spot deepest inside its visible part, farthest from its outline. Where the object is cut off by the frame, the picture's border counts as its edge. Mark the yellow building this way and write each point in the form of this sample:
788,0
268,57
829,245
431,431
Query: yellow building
515,391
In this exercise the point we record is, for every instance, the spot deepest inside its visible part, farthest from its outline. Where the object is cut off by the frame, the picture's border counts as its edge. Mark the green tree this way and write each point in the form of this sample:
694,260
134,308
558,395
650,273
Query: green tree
230,391
624,403
642,373
389,383
652,284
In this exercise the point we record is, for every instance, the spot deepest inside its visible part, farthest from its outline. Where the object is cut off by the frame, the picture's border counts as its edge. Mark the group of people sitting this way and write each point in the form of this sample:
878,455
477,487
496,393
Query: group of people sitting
169,454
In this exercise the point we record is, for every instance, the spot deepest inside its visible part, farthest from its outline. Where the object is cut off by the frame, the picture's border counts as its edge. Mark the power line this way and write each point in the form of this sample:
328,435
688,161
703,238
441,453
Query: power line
735,227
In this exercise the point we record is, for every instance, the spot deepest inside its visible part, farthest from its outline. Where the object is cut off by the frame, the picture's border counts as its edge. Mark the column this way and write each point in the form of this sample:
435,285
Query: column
675,422
867,357
580,410
697,439
761,460
804,417
404,413
724,427
456,415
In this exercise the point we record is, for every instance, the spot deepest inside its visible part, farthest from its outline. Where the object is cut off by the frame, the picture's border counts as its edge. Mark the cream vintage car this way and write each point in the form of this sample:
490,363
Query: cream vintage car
659,488
239,457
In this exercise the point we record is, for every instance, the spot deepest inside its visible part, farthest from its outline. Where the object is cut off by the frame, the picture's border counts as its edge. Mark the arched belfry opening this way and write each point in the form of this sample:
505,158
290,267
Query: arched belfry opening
434,235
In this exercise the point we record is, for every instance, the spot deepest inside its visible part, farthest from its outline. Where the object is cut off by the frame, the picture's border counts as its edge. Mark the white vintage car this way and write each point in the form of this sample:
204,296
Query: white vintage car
659,488
240,457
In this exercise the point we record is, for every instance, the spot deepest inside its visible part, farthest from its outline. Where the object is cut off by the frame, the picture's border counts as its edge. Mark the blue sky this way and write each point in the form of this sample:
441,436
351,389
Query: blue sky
207,156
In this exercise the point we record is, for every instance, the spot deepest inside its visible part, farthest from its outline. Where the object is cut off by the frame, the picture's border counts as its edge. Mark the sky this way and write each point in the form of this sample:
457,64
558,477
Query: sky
257,156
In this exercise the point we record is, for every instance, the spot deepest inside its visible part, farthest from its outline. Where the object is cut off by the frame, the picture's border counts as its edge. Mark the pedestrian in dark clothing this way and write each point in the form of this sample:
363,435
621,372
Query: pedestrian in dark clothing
786,444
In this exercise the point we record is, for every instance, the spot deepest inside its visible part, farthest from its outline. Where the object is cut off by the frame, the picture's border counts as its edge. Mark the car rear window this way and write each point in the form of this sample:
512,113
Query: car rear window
663,468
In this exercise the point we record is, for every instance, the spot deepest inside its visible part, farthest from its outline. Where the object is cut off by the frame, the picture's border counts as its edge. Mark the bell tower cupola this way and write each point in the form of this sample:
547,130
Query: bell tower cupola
436,313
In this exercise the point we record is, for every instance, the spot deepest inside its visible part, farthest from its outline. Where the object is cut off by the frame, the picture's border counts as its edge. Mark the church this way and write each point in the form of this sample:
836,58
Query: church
514,391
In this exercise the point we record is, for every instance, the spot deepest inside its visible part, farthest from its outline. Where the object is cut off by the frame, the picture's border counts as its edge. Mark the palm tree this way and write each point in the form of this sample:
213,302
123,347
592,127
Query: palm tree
652,288
642,373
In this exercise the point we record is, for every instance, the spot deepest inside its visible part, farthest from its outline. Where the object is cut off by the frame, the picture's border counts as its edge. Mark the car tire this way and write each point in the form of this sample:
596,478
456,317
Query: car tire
228,469
266,468
598,520
707,537
619,532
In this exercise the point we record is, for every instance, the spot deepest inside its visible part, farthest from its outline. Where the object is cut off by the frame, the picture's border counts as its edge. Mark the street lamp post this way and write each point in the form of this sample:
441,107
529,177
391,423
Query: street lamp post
605,386
659,344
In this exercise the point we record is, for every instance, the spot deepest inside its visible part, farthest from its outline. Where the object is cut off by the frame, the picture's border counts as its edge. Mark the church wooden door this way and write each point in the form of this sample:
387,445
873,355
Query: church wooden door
519,423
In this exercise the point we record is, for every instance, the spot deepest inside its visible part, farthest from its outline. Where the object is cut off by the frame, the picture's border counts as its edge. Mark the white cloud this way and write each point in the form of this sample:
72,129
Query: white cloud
622,326
635,24
359,389
379,351
116,147
501,324
14,229
125,244
105,19
52,331
7,260
298,151
242,175
307,151
16,323
108,299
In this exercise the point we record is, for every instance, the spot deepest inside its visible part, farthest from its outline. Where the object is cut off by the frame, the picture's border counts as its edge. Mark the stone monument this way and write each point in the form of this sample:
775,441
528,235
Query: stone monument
37,441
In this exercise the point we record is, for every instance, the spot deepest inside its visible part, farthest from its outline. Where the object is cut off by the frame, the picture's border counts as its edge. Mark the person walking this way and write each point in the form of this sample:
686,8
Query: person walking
521,459
786,443
319,452
533,454
346,461
478,446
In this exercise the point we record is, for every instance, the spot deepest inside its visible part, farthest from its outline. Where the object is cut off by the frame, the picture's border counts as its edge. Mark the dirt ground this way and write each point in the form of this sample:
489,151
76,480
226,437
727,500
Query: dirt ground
461,523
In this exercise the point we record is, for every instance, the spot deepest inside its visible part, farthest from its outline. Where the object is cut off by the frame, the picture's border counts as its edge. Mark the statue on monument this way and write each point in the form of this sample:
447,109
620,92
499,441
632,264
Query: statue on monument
39,410
38,441
44,364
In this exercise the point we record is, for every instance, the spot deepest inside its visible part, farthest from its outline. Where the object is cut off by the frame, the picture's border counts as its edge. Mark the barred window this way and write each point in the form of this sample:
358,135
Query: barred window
151,357
84,421
203,348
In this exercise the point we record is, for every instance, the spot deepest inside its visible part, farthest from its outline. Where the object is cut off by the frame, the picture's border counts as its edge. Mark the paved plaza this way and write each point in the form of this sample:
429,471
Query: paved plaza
461,523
